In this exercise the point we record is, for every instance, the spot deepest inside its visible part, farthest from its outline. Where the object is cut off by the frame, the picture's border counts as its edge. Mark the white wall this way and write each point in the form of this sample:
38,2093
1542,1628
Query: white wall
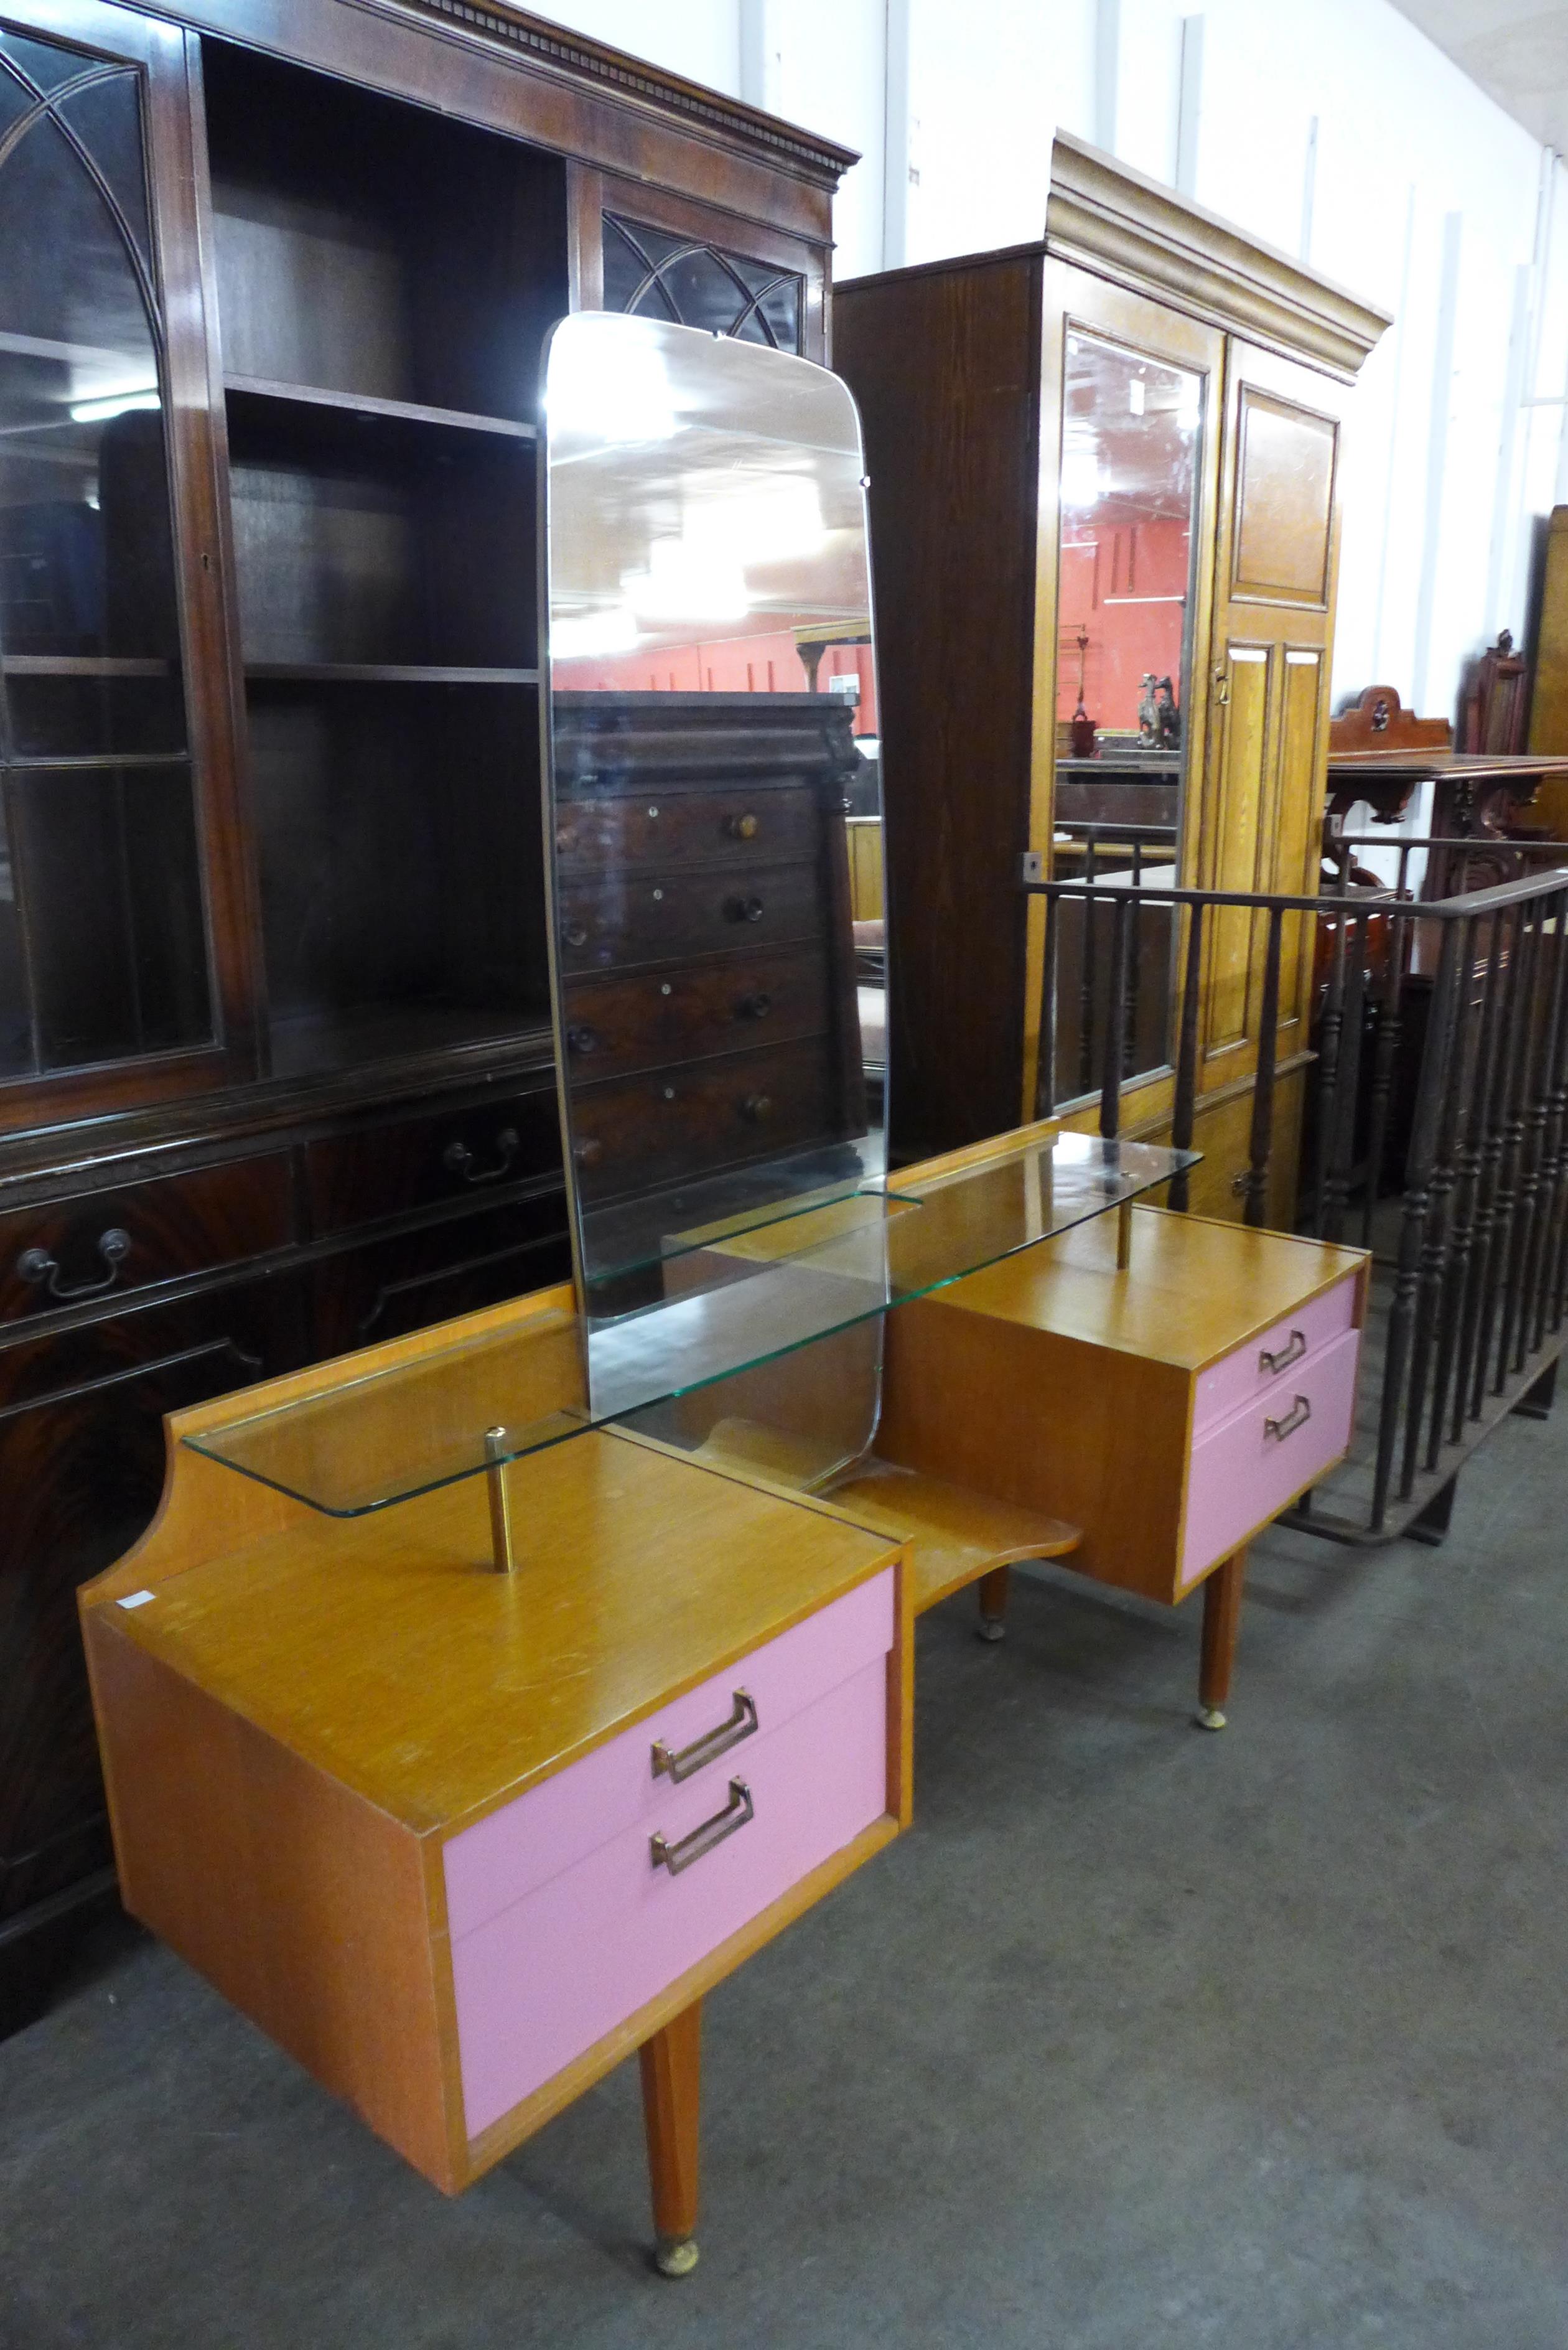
1331,128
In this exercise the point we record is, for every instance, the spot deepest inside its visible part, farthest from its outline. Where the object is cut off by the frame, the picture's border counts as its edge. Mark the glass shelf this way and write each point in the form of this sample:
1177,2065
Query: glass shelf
752,1295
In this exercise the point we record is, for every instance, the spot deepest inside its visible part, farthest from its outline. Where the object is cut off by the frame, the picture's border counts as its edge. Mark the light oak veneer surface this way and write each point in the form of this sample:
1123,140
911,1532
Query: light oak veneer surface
388,1653
1195,1288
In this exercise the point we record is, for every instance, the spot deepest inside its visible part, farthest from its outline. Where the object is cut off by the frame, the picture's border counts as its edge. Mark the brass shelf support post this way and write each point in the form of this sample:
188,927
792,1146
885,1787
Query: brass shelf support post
502,1551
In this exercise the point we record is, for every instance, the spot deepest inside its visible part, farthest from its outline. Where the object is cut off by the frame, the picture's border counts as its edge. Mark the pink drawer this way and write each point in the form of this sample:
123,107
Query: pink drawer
539,1984
1236,1377
498,1860
1242,1471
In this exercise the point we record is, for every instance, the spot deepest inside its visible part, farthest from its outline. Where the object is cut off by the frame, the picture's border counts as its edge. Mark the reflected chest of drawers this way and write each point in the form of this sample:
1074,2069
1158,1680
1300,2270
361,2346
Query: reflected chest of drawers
707,960
462,1840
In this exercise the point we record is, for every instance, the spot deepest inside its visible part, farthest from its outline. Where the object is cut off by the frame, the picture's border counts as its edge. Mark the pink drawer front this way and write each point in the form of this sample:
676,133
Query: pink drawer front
1250,1466
494,1863
540,1983
1263,1363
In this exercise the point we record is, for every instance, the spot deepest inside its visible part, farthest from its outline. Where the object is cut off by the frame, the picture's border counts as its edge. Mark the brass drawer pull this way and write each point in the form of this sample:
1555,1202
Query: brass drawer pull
36,1265
743,1722
756,1108
741,827
743,910
458,1158
735,1813
1286,1355
1297,1417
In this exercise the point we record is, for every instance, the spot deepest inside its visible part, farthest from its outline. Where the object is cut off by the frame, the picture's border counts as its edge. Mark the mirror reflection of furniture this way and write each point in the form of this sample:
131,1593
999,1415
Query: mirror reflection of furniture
1035,360
706,543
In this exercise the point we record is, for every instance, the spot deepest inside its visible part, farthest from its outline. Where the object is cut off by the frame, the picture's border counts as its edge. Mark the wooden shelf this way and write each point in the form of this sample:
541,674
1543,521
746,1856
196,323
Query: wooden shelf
399,412
382,673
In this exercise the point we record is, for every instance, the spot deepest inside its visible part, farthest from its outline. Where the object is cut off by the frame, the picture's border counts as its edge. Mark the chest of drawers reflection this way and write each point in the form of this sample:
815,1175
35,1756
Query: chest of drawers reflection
704,917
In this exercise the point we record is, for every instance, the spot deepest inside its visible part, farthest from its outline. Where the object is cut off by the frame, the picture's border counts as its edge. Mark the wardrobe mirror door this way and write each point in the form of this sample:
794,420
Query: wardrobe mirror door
713,811
1131,472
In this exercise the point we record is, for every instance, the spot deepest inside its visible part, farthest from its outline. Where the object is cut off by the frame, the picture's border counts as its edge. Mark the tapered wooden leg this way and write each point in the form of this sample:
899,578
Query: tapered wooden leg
1221,1621
993,1589
671,2109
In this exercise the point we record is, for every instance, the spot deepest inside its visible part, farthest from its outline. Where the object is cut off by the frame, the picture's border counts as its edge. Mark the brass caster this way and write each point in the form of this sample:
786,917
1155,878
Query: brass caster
1209,1717
675,2256
991,1627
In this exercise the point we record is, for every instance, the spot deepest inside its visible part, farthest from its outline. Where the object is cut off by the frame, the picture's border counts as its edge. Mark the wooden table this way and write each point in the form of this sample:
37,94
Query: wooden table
1380,753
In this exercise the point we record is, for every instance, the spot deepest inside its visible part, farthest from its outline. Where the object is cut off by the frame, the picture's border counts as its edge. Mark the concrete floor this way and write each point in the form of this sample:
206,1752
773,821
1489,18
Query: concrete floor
1140,2037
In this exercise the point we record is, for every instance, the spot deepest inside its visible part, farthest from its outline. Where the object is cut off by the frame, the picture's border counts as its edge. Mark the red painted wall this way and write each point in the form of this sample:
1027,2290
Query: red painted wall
1103,562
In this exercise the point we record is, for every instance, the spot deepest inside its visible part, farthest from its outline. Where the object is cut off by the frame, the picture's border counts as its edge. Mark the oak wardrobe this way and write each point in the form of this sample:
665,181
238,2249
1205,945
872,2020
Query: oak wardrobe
1105,493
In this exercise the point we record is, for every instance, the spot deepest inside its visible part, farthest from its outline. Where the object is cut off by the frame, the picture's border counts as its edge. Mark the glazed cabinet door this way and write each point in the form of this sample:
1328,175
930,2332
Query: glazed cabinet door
123,964
660,255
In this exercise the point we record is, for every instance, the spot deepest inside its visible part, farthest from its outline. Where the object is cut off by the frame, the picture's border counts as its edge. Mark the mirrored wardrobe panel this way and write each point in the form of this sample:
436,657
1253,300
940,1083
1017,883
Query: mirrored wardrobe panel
712,737
1130,484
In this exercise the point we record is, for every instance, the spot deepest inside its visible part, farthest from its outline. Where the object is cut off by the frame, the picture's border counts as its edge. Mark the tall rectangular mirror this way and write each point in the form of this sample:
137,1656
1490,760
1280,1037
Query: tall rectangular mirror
1130,483
710,737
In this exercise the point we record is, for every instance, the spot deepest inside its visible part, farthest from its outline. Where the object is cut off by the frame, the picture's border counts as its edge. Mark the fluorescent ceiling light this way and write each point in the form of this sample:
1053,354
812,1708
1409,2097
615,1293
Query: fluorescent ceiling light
98,412
619,404
687,582
1082,484
769,519
593,635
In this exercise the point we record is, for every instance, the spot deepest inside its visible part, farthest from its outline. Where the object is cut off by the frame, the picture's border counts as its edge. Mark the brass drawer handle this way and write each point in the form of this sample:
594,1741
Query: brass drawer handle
756,1108
36,1265
670,1764
458,1158
741,827
1286,1355
1297,1417
743,910
703,1840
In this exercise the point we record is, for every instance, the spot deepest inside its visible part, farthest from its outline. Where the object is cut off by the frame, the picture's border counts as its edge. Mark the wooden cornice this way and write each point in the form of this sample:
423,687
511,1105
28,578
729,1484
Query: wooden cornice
1109,218
555,49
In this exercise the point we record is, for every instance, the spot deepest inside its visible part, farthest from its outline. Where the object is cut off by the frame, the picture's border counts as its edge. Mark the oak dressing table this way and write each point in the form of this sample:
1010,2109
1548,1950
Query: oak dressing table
480,1700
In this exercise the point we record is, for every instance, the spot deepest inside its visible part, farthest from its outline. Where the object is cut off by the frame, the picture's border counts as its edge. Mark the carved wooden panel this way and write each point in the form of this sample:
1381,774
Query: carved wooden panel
1284,502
